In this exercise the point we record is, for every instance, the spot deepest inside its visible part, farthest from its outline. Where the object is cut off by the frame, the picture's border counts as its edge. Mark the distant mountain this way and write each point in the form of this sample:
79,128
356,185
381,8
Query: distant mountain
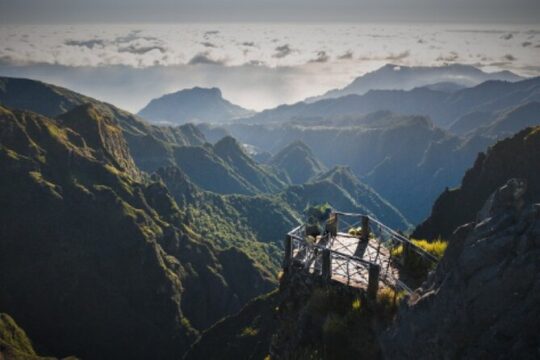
225,168
151,146
397,77
298,162
513,120
447,87
442,107
406,159
515,157
213,133
498,124
192,105
343,191
366,198
470,122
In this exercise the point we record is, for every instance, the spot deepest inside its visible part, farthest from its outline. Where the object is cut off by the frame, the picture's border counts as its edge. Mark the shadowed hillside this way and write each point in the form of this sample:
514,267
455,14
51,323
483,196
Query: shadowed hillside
139,272
512,157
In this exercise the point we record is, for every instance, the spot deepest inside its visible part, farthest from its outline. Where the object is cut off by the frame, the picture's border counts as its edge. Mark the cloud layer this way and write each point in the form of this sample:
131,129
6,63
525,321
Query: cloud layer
310,58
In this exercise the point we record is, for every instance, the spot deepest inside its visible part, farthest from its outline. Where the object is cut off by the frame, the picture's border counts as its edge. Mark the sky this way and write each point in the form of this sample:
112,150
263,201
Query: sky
491,11
260,53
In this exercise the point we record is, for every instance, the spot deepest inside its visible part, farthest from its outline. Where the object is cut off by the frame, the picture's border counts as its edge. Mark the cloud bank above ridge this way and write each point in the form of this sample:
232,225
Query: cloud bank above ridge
308,58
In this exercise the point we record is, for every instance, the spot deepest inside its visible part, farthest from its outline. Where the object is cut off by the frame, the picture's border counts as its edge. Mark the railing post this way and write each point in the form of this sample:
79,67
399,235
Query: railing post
406,252
326,265
365,228
373,281
288,252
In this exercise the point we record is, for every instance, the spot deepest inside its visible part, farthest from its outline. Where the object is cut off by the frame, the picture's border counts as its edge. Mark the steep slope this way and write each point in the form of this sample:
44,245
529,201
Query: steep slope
255,224
513,120
141,280
394,77
192,105
150,146
482,300
470,122
225,168
512,157
230,151
298,162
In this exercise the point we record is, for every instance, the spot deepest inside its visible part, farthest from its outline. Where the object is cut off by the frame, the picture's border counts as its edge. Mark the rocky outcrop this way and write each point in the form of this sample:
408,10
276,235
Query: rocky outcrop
482,300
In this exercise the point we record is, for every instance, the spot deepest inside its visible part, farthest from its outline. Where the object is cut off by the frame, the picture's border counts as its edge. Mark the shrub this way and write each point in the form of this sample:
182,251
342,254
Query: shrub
355,231
249,331
356,305
415,263
387,302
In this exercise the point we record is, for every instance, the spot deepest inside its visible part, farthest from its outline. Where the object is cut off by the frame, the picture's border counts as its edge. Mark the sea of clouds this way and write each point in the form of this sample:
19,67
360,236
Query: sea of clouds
256,65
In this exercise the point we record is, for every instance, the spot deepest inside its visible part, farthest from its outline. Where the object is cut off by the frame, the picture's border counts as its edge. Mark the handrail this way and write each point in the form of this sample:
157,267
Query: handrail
394,234
299,236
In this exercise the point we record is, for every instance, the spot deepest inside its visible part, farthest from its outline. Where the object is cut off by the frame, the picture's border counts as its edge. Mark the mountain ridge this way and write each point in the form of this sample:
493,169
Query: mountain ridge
409,77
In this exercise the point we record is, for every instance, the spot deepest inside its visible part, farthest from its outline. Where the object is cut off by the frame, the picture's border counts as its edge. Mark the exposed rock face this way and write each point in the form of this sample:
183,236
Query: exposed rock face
482,300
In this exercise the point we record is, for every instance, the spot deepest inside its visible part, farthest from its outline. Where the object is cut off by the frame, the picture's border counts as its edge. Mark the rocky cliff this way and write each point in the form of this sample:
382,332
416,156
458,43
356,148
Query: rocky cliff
517,156
482,301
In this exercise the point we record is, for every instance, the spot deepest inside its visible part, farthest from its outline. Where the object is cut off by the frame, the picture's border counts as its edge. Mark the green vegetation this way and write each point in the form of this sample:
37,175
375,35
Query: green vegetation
415,264
13,337
298,163
157,270
342,326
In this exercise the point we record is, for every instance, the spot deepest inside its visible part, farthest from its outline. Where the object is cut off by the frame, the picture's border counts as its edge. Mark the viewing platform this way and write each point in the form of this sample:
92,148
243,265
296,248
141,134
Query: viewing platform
343,251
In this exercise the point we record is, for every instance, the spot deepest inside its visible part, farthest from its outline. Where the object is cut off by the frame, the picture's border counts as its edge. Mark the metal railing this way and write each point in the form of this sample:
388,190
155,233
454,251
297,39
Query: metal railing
318,257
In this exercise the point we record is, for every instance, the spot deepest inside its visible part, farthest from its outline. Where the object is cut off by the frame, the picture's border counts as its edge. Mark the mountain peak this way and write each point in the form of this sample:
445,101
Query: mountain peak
298,162
197,104
198,91
228,143
102,133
